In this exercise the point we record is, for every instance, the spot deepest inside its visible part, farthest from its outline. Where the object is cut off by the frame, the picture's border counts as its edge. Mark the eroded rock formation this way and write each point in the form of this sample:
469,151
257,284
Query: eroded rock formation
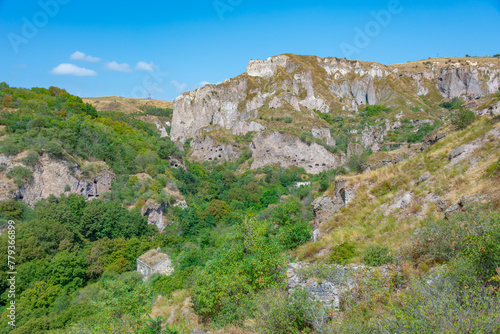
288,150
308,87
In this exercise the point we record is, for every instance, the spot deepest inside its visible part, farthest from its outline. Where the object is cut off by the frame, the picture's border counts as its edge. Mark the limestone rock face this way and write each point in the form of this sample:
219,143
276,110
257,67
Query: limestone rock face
371,137
53,176
288,150
266,68
324,134
492,110
206,149
325,206
432,139
210,105
154,211
455,82
291,92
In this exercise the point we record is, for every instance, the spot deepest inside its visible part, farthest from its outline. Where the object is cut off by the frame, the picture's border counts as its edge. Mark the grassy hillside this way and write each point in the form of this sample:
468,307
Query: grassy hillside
374,217
125,105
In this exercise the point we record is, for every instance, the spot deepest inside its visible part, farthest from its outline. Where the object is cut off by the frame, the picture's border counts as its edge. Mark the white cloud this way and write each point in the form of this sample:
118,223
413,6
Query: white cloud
114,66
180,87
70,69
204,83
82,56
143,66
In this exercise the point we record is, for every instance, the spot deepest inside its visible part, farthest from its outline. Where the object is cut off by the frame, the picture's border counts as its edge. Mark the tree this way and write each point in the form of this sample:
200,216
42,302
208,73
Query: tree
7,101
269,196
90,110
11,209
68,269
249,261
218,209
463,118
89,224
53,148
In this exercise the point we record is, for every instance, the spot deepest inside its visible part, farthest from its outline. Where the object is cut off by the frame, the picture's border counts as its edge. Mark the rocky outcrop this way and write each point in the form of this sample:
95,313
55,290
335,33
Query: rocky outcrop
303,88
336,281
371,138
466,151
324,134
492,110
266,68
455,82
325,206
154,211
207,149
432,139
53,176
282,148
213,105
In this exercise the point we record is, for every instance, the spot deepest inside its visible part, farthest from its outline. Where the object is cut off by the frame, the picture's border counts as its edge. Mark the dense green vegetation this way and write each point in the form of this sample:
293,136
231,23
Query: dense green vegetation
76,259
56,122
156,111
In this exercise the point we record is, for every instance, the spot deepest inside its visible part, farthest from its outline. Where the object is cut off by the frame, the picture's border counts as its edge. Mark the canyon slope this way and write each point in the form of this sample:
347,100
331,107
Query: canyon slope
325,104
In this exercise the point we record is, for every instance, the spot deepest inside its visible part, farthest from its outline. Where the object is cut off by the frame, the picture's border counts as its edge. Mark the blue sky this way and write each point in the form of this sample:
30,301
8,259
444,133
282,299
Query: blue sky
163,48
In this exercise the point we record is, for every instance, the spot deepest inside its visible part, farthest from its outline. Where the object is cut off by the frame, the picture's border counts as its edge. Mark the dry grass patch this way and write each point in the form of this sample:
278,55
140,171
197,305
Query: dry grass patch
370,219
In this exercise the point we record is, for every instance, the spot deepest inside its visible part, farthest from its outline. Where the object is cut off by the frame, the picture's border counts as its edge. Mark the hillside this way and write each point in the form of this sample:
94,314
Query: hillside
126,105
155,112
339,108
373,217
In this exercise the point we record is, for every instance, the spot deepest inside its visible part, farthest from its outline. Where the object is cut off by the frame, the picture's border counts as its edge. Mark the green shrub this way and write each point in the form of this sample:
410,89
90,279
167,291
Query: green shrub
377,255
463,118
9,148
343,253
156,111
90,110
358,162
11,209
275,312
292,236
20,175
304,191
373,111
383,189
2,167
31,158
245,155
323,184
450,302
473,235
454,104
327,117
54,149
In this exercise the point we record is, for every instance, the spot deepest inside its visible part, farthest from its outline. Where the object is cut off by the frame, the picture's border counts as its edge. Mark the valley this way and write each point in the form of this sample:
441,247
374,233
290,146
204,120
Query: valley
306,195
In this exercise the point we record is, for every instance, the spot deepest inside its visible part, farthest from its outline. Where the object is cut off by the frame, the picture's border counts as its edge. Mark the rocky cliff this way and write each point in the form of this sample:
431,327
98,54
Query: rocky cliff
52,176
303,93
288,150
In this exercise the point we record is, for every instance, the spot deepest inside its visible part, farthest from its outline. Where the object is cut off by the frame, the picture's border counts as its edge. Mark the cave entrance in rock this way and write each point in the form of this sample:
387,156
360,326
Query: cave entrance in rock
342,195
